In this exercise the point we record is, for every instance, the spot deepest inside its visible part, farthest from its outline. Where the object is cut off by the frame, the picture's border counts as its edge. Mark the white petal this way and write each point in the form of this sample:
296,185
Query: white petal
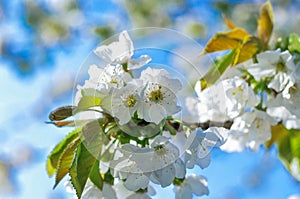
180,168
159,140
295,168
139,62
183,192
119,51
165,176
198,184
108,192
279,82
203,159
138,196
156,113
269,56
259,70
92,192
135,182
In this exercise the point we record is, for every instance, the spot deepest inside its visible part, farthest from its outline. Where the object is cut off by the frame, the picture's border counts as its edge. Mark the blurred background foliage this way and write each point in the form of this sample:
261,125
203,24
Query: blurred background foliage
43,43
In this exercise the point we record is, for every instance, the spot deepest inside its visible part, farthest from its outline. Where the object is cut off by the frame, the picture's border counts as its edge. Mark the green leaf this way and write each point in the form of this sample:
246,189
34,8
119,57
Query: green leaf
247,50
106,155
87,154
62,113
50,168
65,161
288,142
226,40
55,154
88,102
278,132
217,69
265,24
93,136
294,43
81,168
95,175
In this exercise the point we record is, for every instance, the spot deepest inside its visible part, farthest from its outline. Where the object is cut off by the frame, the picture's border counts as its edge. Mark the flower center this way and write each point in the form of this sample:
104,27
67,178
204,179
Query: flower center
280,66
160,150
130,101
238,89
114,81
156,95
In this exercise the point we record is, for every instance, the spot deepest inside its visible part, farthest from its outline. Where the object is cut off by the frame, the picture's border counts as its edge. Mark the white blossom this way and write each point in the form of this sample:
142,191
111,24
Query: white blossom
102,80
160,163
92,192
192,184
120,52
268,63
126,100
239,96
249,130
123,193
159,98
200,144
286,109
224,101
136,181
112,76
278,65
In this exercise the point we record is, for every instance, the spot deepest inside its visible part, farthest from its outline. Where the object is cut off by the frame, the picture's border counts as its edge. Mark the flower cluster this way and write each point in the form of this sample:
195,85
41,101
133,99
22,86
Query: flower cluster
126,112
129,135
254,97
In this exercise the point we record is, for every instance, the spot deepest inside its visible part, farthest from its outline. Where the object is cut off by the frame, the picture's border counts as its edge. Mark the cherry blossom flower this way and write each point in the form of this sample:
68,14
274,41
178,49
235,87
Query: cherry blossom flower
200,144
123,193
268,63
126,100
120,52
102,80
160,163
159,99
223,101
278,65
285,108
92,192
249,130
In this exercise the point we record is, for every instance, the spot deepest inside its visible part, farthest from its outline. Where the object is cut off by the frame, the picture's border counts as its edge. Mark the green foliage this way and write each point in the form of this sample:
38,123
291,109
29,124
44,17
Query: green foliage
290,43
82,167
93,137
294,43
243,45
218,68
288,143
86,162
53,158
90,98
289,152
95,176
65,160
226,40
